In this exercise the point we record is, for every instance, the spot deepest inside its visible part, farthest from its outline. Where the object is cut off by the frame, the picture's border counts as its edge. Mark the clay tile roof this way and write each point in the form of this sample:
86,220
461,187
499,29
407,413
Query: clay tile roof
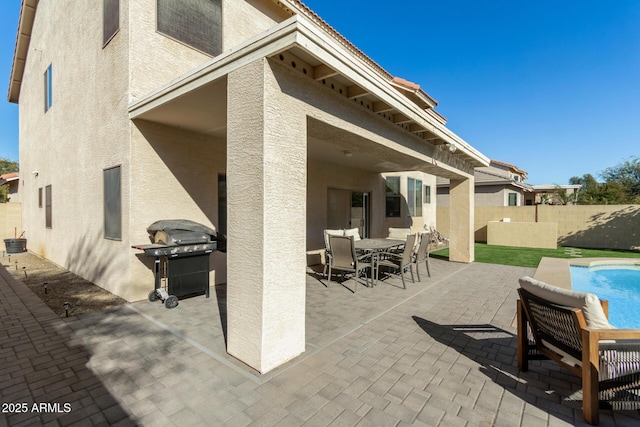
406,83
8,176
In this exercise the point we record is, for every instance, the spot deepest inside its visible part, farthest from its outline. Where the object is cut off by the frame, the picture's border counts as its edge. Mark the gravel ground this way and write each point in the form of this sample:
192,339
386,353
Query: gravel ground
62,286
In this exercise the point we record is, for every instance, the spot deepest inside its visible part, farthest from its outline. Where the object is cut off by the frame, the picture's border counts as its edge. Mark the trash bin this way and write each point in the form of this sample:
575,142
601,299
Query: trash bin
15,246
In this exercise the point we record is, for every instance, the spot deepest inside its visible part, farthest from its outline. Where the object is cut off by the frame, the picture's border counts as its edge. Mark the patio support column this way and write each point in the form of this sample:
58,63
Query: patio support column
266,196
461,220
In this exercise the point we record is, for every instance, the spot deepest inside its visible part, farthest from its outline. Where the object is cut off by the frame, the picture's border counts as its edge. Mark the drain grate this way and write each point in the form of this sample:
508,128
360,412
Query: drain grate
573,252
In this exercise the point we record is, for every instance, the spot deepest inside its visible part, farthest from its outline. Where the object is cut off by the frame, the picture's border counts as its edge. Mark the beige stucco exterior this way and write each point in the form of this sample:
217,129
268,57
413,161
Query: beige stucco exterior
583,226
276,113
523,234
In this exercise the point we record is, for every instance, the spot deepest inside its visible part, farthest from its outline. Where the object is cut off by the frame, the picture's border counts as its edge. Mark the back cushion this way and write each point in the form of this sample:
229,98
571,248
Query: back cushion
352,232
399,233
328,233
588,303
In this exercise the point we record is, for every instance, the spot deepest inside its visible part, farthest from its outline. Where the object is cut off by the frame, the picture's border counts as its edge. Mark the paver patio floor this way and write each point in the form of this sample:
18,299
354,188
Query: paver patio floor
441,352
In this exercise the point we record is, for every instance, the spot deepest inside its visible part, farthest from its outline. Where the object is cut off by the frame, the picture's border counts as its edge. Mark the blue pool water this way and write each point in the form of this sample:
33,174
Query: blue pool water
619,284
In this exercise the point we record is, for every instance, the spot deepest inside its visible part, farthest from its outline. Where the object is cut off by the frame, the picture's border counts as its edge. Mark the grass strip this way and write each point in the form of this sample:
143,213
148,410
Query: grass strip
530,257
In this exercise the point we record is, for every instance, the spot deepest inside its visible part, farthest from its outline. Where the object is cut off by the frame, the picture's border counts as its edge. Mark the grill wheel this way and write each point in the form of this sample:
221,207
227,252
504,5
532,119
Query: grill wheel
171,302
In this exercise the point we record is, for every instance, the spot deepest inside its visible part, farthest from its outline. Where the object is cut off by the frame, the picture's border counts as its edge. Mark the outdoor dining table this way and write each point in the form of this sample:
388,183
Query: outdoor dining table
375,247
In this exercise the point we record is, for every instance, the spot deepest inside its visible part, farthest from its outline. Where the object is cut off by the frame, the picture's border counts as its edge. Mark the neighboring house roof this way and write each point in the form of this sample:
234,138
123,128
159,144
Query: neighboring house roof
512,168
495,174
551,187
485,177
9,177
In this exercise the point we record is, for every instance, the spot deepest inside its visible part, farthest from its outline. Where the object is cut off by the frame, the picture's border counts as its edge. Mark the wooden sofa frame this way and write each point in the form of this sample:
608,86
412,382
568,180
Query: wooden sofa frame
559,333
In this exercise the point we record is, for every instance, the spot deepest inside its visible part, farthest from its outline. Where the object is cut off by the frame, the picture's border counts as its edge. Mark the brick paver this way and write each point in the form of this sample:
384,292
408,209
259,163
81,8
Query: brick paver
441,352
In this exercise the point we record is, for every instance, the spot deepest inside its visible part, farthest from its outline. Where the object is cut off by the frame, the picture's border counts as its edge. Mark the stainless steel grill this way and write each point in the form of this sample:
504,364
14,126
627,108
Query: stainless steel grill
181,250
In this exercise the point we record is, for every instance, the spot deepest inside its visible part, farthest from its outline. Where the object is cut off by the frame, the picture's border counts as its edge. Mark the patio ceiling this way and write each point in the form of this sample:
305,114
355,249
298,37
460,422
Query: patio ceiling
202,111
333,145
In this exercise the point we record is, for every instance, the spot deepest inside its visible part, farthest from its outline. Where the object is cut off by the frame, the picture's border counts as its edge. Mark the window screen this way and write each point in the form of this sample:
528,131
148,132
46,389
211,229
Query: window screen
427,194
513,199
197,23
40,197
47,206
112,204
411,195
418,204
111,19
414,196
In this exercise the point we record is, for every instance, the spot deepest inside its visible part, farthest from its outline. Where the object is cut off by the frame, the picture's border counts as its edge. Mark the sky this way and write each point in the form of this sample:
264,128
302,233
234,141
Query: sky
552,87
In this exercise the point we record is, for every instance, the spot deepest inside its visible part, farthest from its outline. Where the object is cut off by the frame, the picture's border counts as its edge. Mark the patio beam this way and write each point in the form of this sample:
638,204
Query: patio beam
356,91
322,71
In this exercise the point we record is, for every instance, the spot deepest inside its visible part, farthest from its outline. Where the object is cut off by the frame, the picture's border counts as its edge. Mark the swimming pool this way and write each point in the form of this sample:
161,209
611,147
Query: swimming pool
619,284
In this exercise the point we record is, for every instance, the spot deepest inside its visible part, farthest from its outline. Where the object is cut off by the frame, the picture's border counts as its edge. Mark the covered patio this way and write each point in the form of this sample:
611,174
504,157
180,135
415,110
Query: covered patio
284,109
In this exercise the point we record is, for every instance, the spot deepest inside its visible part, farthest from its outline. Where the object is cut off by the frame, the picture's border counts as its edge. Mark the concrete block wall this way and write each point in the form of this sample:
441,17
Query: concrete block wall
484,214
523,234
595,226
592,226
10,221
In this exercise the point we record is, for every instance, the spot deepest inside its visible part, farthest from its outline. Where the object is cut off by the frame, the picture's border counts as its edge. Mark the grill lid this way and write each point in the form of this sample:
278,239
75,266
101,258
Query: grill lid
181,232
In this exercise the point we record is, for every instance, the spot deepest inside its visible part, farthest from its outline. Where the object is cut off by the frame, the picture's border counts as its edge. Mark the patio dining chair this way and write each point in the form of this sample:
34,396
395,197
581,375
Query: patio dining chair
327,247
422,254
344,259
400,262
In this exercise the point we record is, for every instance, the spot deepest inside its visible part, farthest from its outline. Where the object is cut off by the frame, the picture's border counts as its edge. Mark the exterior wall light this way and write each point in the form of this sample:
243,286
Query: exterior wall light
449,146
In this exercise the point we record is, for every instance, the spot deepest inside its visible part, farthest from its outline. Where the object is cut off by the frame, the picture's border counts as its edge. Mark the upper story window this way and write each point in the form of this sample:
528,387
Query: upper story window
196,23
48,99
110,19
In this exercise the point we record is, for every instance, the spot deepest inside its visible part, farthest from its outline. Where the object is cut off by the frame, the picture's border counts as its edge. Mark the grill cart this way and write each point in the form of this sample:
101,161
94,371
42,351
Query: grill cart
181,250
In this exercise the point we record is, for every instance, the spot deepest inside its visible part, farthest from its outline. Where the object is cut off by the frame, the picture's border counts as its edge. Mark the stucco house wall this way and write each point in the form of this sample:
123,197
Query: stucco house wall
71,143
99,135
416,223
156,59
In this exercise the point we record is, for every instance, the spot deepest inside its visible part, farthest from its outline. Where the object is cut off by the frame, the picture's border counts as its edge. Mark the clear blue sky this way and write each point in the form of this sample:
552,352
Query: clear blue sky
550,86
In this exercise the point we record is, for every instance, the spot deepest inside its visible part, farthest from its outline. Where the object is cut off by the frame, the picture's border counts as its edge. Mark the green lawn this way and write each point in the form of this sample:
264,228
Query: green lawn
529,257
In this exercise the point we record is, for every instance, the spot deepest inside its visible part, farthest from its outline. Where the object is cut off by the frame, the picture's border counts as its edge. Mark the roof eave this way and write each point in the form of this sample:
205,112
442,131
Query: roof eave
23,39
